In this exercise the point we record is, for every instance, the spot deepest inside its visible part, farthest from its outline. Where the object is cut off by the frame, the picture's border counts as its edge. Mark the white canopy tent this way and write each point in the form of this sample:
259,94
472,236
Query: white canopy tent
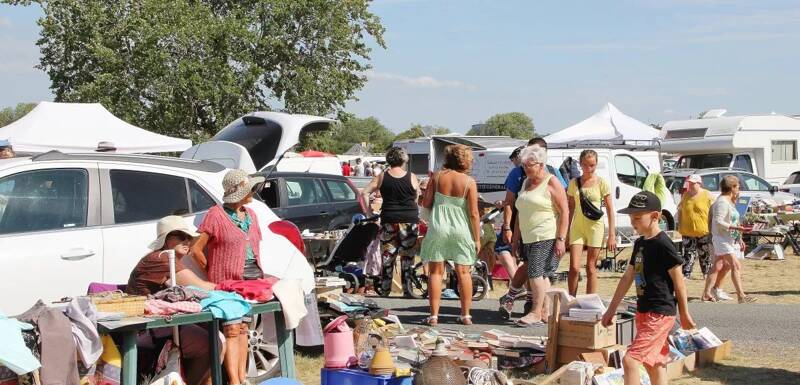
80,127
608,124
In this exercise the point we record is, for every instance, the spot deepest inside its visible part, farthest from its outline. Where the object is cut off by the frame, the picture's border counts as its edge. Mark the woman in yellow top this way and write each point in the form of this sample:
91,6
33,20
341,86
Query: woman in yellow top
584,232
693,225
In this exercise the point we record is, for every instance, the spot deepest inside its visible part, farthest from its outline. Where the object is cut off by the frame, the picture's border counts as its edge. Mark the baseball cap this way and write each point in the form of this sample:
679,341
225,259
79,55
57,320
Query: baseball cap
5,143
642,202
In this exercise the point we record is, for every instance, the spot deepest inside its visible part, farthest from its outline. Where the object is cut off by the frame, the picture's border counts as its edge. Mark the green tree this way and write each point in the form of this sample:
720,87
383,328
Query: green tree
189,67
416,132
350,131
9,115
513,124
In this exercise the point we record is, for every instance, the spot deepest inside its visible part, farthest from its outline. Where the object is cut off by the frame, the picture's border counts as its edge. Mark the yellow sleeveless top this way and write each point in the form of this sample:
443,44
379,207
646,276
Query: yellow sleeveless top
537,213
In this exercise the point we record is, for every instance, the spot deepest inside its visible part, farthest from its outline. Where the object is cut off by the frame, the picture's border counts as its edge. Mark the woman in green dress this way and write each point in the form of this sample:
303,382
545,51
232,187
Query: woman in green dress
454,229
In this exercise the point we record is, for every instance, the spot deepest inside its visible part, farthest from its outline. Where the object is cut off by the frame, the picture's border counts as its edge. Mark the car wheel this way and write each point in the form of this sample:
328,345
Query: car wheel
260,367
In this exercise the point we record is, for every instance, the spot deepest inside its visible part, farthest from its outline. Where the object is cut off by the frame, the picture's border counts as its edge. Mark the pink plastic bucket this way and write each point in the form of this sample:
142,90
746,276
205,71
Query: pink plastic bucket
338,340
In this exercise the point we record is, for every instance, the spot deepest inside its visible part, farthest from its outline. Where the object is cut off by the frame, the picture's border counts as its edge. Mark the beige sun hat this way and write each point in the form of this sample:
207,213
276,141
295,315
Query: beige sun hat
169,224
237,184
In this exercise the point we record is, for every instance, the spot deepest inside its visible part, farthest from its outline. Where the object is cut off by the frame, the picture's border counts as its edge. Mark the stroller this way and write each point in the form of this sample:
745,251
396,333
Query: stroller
348,253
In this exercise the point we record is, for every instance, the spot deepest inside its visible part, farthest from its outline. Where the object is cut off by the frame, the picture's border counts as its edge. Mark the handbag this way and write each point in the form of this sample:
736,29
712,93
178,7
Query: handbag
590,211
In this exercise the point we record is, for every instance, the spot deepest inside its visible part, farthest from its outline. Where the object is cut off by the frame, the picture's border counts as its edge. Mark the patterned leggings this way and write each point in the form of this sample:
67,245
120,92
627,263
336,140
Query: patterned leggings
396,239
694,249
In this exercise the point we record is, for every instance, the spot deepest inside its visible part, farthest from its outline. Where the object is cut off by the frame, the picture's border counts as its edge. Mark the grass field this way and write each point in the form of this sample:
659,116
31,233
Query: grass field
772,282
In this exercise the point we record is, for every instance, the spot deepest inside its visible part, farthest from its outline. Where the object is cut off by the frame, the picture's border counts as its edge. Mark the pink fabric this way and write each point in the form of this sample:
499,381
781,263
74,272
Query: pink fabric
651,344
225,250
159,307
259,290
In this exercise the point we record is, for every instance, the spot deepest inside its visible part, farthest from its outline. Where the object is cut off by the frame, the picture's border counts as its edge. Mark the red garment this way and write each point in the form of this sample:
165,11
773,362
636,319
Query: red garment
225,250
346,170
259,290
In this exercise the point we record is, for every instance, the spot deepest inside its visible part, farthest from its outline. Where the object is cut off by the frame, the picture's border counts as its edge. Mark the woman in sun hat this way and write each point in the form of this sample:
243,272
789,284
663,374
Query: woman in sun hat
151,275
228,249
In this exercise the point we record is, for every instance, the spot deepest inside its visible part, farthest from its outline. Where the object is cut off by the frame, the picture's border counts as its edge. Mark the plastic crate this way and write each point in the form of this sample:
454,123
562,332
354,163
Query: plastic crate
359,377
626,328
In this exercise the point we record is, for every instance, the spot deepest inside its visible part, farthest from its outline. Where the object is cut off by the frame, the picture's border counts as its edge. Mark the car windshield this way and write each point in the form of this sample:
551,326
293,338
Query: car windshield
674,183
705,161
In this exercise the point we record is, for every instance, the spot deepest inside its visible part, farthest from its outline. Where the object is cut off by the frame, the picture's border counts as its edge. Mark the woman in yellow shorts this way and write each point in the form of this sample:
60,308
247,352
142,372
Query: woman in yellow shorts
584,232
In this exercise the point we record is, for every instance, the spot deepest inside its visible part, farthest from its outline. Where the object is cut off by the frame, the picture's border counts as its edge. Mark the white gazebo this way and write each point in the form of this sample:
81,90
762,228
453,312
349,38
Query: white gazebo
608,124
80,127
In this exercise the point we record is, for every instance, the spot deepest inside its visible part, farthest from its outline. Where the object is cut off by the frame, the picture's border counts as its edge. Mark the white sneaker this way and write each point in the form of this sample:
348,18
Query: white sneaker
721,295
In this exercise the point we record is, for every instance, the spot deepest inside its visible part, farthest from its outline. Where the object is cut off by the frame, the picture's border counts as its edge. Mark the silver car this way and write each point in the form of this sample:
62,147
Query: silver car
751,185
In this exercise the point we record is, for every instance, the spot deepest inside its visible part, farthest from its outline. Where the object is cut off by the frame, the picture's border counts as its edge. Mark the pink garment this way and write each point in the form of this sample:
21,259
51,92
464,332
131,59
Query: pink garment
259,290
226,250
159,307
373,262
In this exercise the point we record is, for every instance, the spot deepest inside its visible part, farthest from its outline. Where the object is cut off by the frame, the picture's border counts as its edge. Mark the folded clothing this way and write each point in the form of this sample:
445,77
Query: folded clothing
160,307
259,290
180,294
225,305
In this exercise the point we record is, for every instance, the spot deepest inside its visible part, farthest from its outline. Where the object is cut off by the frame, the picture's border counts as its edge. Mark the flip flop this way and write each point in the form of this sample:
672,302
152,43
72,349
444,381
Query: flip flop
525,324
465,319
708,299
431,320
748,299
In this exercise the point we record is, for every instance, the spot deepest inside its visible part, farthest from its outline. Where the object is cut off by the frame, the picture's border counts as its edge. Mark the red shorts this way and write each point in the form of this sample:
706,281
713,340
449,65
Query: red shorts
651,344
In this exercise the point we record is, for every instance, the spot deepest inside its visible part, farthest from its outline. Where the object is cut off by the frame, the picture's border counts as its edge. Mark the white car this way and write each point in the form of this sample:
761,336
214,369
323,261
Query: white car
67,220
750,185
792,184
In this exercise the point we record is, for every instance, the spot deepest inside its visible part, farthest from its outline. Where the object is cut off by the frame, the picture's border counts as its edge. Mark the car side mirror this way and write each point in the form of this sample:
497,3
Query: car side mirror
773,189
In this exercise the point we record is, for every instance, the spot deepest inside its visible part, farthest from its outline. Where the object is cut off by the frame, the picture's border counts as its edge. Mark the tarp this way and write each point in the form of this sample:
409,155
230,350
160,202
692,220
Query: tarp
79,127
608,124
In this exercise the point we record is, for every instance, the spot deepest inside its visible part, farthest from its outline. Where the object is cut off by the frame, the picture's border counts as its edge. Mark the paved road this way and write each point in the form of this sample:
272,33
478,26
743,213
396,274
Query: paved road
751,323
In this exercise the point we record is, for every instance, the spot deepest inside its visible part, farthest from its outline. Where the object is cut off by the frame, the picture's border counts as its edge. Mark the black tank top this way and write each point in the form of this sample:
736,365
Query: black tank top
399,199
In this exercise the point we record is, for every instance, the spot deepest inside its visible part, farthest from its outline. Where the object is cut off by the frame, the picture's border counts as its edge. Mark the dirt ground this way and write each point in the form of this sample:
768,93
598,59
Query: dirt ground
772,282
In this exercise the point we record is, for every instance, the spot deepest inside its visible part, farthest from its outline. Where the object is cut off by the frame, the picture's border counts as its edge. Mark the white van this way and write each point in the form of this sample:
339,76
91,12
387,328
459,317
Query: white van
624,167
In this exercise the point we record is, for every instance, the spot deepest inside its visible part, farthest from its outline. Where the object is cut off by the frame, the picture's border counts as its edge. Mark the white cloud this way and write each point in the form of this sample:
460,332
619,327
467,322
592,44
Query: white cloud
424,81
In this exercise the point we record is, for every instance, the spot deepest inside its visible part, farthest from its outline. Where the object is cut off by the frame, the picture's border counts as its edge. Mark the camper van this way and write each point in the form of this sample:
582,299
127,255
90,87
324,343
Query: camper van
765,145
625,167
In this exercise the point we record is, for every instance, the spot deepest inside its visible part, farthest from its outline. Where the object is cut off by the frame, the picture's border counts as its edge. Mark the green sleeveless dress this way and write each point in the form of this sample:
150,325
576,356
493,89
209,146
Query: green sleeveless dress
449,236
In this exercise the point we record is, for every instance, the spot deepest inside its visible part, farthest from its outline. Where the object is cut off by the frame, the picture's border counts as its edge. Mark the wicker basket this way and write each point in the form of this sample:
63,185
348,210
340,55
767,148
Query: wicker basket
119,302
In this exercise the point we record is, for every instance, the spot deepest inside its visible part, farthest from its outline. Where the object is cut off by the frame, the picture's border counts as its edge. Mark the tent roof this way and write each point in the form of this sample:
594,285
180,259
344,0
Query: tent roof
79,127
609,123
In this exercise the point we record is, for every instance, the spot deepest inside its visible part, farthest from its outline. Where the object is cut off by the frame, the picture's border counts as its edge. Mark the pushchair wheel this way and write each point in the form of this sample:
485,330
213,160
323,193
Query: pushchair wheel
479,287
416,282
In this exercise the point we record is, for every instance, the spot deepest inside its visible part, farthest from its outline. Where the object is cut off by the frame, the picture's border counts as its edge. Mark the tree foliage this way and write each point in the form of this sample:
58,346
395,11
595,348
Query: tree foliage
189,67
9,115
513,124
351,131
416,132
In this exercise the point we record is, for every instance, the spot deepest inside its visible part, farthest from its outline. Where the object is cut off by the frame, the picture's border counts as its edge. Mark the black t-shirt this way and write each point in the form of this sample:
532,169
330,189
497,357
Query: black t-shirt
652,259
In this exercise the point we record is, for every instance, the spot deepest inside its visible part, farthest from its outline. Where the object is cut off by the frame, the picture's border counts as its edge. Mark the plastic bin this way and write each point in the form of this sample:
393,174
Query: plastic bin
626,328
359,377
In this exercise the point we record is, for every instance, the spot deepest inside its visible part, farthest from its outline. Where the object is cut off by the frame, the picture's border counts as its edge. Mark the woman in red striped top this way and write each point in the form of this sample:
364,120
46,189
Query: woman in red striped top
228,248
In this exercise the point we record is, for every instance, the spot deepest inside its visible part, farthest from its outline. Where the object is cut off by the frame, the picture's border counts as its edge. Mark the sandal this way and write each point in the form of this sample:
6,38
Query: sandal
708,298
432,320
525,324
748,299
465,319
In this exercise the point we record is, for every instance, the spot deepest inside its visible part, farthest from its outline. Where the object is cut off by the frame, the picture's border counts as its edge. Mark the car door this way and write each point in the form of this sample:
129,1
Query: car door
138,196
305,203
49,234
629,178
344,202
751,185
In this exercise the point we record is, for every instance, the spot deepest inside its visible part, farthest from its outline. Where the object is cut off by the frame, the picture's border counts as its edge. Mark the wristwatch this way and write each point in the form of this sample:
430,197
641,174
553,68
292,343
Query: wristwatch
562,239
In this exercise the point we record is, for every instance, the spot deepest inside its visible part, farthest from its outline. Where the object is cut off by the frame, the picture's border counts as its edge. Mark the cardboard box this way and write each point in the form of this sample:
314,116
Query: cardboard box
586,334
690,362
715,355
675,369
568,354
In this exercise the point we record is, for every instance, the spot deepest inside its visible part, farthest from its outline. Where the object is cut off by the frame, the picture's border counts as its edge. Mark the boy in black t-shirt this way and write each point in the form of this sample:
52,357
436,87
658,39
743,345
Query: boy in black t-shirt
655,267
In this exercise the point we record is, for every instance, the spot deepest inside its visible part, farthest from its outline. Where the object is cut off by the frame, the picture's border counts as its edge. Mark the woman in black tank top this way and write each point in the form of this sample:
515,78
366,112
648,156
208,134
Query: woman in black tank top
399,189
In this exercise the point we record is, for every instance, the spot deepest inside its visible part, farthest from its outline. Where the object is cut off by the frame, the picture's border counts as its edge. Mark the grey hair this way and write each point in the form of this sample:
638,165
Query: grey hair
533,153
396,157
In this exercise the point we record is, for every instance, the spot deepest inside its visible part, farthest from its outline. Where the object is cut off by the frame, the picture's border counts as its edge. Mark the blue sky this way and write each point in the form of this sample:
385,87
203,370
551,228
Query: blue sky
457,62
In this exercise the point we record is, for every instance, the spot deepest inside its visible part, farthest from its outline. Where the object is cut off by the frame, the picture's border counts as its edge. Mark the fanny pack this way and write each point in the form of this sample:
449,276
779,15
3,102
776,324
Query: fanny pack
590,211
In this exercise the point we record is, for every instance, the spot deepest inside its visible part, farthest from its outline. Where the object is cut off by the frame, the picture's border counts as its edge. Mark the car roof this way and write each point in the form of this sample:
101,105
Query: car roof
187,164
684,172
284,174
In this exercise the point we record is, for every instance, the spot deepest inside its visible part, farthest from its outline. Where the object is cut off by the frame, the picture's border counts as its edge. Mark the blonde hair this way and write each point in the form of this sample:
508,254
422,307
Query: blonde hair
458,157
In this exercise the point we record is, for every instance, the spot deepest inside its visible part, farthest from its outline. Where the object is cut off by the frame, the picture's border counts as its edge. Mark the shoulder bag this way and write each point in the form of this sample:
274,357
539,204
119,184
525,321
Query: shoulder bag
590,211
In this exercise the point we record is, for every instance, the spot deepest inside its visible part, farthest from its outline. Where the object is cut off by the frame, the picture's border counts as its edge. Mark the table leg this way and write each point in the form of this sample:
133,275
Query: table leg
285,346
213,343
129,357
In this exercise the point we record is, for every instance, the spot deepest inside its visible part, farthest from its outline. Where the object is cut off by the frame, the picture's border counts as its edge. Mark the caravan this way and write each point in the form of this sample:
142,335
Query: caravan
765,145
425,155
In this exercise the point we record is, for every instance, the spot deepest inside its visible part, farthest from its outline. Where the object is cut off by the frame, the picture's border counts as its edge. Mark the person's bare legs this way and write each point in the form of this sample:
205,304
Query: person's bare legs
726,268
464,291
546,302
538,289
435,272
736,274
575,256
243,345
509,263
520,276
711,277
591,269
231,362
658,374
631,367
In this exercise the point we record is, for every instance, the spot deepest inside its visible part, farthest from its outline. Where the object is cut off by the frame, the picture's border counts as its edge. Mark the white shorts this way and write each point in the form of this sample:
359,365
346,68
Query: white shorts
725,246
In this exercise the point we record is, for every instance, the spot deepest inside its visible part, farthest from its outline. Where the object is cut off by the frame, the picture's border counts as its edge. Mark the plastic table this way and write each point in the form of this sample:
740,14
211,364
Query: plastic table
129,327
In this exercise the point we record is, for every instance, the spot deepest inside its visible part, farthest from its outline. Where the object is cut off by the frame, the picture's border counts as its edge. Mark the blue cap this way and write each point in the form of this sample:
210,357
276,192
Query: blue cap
4,143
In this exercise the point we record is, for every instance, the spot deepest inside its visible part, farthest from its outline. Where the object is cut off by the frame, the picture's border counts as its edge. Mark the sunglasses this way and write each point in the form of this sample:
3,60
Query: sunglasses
180,235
